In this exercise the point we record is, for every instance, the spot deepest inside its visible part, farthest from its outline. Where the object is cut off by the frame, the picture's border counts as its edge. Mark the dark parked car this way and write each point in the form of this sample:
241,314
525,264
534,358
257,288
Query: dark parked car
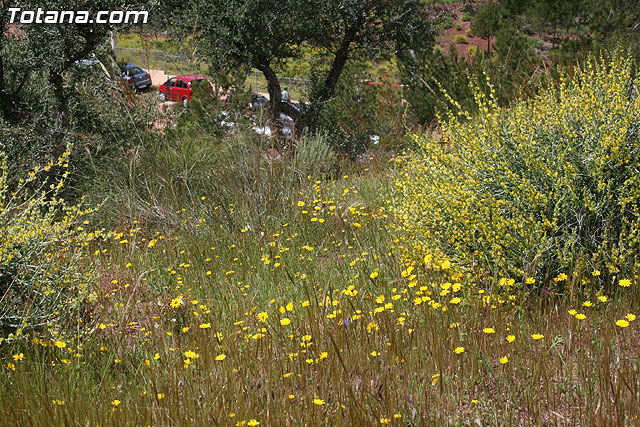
180,88
136,77
258,101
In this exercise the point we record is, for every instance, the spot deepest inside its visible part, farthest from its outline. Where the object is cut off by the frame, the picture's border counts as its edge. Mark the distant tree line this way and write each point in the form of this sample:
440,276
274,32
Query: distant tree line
607,23
518,63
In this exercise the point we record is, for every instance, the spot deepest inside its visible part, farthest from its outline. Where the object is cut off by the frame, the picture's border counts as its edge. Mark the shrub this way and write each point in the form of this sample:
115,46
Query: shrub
314,156
460,39
475,52
360,111
466,16
42,283
543,187
446,21
458,26
94,114
453,73
515,50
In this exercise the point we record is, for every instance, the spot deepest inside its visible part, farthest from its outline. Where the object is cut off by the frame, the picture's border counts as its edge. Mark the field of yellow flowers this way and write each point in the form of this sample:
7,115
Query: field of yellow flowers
371,300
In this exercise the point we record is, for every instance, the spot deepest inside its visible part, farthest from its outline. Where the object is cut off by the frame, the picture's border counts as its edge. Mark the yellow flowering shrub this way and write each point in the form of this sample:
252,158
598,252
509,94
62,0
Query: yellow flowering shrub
548,184
41,282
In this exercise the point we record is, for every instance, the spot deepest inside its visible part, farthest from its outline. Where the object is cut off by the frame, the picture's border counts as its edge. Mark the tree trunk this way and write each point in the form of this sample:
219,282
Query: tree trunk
275,97
327,90
59,145
273,85
329,87
307,117
489,44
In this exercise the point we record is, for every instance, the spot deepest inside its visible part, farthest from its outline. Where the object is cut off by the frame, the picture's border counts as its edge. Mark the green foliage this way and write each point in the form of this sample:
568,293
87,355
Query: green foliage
50,100
571,52
515,50
314,156
513,79
531,191
243,34
362,112
301,64
439,71
445,22
487,21
204,115
43,284
616,23
557,14
107,120
466,16
460,39
602,24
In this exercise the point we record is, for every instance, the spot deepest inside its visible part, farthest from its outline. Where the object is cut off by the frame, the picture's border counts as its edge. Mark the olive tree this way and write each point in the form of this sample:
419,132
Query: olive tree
240,34
37,63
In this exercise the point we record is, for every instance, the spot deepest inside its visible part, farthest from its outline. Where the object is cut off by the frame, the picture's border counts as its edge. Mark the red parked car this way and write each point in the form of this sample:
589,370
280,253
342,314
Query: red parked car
179,88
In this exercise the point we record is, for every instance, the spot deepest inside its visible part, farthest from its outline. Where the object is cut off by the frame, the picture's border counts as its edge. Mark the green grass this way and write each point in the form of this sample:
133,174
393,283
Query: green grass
238,287
229,264
172,64
570,374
